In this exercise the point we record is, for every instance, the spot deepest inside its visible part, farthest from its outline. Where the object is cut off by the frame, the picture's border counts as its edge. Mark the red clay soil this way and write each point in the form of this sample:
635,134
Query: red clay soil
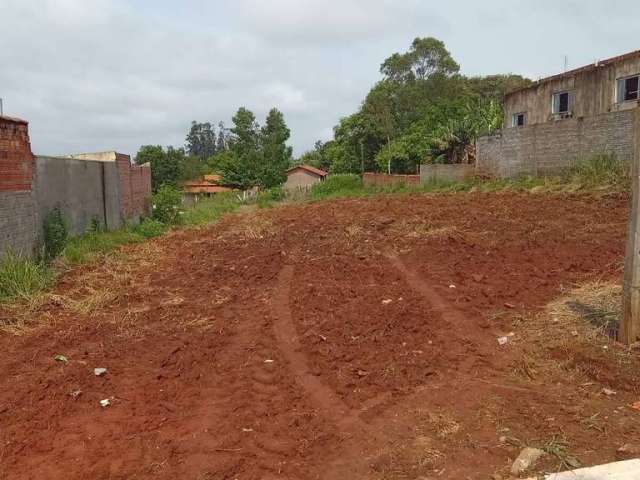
346,339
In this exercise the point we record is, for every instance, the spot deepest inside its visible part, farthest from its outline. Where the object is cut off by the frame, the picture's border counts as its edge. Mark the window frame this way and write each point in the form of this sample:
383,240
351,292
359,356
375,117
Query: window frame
559,94
622,93
514,119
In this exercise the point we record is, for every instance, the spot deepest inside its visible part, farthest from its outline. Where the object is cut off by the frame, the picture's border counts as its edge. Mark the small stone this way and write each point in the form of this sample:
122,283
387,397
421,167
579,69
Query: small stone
608,392
76,393
628,451
387,301
105,403
99,372
503,340
268,360
503,439
527,459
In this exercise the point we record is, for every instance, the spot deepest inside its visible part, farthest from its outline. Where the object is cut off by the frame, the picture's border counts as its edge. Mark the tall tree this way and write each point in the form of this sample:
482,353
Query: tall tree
201,140
221,144
240,167
426,57
276,155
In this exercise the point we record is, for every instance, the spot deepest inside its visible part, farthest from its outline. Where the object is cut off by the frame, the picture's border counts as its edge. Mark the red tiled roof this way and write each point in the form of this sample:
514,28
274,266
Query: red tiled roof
309,168
586,68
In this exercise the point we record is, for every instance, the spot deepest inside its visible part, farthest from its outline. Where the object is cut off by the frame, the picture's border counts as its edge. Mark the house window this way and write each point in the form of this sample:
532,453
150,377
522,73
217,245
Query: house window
519,119
561,104
628,89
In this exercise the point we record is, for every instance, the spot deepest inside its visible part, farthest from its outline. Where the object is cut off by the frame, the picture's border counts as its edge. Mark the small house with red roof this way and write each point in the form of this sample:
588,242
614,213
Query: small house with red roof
303,177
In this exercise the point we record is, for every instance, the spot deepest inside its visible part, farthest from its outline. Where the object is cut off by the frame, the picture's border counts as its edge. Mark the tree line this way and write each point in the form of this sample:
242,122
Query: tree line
245,155
422,111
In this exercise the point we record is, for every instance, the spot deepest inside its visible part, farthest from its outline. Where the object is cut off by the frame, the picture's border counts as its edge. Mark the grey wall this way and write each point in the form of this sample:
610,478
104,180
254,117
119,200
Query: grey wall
548,147
83,189
19,225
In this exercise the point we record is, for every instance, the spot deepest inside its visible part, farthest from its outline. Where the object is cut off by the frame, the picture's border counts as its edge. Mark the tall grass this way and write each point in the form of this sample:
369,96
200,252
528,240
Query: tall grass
600,170
21,277
210,210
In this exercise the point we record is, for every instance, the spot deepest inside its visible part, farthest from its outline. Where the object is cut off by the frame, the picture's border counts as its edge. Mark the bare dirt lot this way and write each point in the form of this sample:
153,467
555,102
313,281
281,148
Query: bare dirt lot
350,339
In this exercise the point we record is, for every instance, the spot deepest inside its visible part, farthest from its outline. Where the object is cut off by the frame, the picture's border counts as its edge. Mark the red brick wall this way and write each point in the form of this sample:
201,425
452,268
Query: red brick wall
135,187
16,158
383,179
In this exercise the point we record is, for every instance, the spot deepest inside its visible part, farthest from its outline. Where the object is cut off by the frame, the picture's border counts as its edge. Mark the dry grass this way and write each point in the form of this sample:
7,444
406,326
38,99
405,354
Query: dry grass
592,309
251,226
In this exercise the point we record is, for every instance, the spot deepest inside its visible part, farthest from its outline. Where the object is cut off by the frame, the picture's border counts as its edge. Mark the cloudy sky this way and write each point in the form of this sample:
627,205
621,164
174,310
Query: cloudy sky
94,75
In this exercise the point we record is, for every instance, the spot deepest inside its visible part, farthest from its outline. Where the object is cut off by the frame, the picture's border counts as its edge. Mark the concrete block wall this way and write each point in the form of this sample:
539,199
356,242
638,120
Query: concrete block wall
549,147
18,214
84,190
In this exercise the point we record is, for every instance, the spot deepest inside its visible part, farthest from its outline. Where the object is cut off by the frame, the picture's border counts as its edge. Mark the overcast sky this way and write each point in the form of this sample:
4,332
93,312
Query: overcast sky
93,75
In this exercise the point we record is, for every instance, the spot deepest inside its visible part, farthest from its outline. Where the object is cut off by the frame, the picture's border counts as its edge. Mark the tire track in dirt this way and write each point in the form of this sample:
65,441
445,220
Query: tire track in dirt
478,339
323,397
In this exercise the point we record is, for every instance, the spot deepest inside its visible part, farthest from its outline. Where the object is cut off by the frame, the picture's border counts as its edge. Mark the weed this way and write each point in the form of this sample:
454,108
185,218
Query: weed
166,205
21,277
150,228
55,233
600,170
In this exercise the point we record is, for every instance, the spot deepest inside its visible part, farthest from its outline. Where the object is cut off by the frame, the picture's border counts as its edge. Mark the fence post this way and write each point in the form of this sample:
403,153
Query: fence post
630,327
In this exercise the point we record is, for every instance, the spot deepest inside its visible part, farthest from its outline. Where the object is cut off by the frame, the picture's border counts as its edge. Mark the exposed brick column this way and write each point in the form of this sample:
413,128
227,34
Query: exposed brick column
16,158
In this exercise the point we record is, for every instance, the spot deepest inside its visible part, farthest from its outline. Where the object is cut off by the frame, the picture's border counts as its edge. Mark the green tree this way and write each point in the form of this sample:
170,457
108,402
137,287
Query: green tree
201,140
165,169
276,155
426,57
241,168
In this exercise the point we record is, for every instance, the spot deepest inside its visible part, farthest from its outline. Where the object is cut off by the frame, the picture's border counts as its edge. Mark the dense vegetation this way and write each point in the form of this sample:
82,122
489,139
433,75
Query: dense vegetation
246,155
423,110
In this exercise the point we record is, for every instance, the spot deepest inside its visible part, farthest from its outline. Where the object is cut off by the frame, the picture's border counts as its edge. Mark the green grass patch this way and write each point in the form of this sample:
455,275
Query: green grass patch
87,247
209,210
22,277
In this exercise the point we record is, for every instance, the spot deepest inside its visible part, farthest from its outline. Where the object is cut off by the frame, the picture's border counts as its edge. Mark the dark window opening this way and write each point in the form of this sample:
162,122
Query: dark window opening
631,88
519,120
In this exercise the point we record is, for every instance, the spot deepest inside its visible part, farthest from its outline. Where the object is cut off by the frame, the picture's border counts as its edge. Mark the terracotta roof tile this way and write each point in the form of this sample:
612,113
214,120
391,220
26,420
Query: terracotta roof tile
309,168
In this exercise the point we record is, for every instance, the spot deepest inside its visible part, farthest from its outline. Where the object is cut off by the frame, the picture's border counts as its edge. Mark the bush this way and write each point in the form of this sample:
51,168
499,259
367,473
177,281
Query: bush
150,228
166,205
55,234
267,198
21,277
338,185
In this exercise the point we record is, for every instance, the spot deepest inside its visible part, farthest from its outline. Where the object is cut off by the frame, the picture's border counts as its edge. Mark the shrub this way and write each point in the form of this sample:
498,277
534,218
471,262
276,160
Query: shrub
166,205
267,198
150,228
20,277
55,233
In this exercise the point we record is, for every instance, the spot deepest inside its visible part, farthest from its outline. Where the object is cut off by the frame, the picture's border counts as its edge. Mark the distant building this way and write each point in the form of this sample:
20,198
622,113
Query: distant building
303,177
566,118
208,186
